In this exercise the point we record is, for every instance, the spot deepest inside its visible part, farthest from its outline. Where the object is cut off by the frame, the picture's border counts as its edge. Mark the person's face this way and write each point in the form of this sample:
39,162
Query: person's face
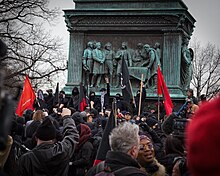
89,119
188,93
127,117
146,153
61,95
134,151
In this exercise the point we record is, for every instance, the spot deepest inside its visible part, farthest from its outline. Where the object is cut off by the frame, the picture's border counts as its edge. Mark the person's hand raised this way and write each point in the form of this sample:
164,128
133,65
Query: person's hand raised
65,112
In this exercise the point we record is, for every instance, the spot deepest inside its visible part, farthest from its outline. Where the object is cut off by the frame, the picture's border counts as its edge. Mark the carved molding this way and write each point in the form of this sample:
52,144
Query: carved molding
122,20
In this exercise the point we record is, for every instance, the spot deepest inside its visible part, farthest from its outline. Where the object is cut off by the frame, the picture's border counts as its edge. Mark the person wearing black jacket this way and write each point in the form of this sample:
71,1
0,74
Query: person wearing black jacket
83,153
74,99
121,160
49,158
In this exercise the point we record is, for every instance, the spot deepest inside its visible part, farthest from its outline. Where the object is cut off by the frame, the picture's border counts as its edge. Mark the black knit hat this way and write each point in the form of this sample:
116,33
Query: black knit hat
151,121
46,131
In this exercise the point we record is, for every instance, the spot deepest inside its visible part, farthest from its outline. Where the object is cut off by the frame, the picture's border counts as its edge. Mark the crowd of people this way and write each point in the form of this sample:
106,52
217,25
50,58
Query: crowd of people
58,139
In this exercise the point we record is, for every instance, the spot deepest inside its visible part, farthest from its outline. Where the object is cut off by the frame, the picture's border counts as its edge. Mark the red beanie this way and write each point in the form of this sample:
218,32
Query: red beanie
203,140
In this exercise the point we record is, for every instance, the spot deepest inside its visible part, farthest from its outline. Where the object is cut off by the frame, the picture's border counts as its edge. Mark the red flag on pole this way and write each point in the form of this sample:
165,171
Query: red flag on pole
27,98
162,90
82,99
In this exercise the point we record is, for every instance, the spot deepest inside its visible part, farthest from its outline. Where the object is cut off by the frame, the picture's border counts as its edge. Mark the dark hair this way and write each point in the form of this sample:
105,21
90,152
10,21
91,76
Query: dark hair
174,146
203,97
190,90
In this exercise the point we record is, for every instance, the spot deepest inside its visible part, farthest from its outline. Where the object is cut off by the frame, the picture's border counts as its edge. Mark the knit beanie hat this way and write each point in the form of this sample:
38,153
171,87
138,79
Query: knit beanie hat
46,131
151,121
203,140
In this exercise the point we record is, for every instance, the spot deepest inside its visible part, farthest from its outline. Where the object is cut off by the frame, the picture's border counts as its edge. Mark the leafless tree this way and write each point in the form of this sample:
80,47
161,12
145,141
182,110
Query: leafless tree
206,69
31,48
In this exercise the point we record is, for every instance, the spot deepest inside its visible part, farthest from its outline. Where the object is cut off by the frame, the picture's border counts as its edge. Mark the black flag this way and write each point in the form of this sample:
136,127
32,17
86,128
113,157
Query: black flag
56,95
125,82
104,146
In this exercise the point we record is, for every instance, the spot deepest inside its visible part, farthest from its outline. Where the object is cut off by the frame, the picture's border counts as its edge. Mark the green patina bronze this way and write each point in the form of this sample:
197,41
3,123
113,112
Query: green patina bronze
145,33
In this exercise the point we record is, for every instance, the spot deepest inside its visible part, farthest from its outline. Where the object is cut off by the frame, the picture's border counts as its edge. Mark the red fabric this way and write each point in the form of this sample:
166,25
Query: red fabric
27,98
202,140
82,99
162,90
83,104
85,134
96,162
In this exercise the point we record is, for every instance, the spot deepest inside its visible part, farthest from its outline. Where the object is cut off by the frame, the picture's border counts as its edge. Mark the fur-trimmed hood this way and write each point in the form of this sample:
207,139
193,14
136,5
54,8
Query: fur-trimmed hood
155,169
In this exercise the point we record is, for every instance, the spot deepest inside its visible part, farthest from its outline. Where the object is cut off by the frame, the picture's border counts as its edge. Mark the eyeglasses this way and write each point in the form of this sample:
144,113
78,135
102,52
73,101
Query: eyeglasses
149,146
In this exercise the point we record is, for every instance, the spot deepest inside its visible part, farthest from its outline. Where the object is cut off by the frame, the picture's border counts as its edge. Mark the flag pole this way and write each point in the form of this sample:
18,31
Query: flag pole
132,94
158,108
139,107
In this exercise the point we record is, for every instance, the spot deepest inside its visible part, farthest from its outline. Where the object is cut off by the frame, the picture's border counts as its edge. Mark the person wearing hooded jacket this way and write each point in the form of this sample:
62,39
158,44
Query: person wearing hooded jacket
74,100
82,155
49,158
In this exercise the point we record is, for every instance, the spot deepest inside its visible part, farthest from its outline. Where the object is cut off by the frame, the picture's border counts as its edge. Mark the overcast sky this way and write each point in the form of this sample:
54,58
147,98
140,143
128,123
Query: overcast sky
205,12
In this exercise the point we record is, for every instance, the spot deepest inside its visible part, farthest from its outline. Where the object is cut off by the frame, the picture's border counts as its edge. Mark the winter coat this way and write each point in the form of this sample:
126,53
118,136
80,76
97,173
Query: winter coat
81,158
117,160
155,169
168,162
51,159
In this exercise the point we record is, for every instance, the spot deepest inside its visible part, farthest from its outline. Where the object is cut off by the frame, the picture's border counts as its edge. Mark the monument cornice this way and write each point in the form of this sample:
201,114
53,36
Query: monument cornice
149,22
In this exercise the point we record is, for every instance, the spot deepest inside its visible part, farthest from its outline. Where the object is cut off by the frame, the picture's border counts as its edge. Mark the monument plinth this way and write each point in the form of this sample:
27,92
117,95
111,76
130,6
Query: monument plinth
128,26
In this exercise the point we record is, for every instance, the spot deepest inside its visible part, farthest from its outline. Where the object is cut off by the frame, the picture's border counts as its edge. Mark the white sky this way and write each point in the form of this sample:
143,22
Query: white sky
205,12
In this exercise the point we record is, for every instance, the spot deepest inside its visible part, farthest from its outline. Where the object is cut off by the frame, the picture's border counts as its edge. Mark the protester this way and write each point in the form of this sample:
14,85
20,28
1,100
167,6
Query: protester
190,94
93,101
191,108
74,99
128,118
159,152
62,99
49,99
31,128
146,158
174,149
121,160
49,158
81,159
39,103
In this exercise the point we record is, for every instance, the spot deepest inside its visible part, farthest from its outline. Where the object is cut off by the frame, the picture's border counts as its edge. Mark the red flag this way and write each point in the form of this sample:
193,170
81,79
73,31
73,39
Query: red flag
82,99
27,98
162,90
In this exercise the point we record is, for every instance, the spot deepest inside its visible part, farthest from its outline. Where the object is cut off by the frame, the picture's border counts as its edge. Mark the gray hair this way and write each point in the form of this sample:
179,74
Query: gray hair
124,137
